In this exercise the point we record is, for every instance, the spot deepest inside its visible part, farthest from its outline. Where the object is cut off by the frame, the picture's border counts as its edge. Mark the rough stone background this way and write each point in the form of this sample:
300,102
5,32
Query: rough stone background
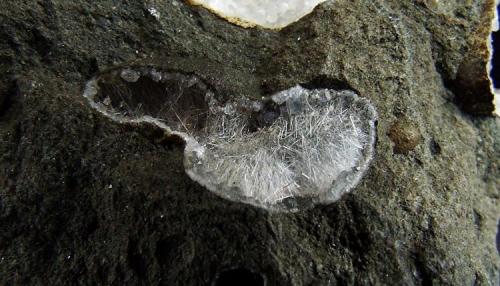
86,201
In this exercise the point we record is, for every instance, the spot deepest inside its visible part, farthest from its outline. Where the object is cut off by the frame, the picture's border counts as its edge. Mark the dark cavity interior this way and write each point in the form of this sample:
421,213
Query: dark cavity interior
495,61
178,100
264,118
240,277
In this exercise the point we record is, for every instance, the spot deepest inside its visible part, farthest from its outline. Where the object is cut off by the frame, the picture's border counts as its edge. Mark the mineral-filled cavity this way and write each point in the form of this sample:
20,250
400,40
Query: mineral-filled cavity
266,13
290,151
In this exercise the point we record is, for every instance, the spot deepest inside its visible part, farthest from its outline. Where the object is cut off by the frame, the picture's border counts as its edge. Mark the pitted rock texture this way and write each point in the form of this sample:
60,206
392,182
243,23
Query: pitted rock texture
84,200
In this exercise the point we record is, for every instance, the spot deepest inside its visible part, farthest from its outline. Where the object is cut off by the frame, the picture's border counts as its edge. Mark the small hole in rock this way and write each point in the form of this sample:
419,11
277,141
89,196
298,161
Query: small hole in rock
239,276
435,147
477,219
8,92
169,251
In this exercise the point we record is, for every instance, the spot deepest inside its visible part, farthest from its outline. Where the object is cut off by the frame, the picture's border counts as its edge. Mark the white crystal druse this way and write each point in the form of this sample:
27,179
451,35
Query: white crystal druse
315,148
265,13
290,151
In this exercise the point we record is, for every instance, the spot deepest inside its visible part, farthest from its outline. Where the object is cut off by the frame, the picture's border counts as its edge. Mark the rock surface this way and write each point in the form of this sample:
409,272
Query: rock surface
84,200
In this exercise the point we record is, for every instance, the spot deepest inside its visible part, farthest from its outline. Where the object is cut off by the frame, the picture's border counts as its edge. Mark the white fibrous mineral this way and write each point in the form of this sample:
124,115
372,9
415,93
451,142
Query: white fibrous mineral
287,152
265,13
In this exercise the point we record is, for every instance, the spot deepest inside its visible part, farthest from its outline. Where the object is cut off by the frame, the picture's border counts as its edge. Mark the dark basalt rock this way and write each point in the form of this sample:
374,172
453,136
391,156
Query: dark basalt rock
84,200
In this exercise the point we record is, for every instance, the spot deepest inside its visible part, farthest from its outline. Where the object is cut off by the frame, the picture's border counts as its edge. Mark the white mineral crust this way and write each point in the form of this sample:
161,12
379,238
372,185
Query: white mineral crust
266,13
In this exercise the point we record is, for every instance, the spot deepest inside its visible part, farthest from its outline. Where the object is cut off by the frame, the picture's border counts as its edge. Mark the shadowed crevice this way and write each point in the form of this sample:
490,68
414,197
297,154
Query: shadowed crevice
239,276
